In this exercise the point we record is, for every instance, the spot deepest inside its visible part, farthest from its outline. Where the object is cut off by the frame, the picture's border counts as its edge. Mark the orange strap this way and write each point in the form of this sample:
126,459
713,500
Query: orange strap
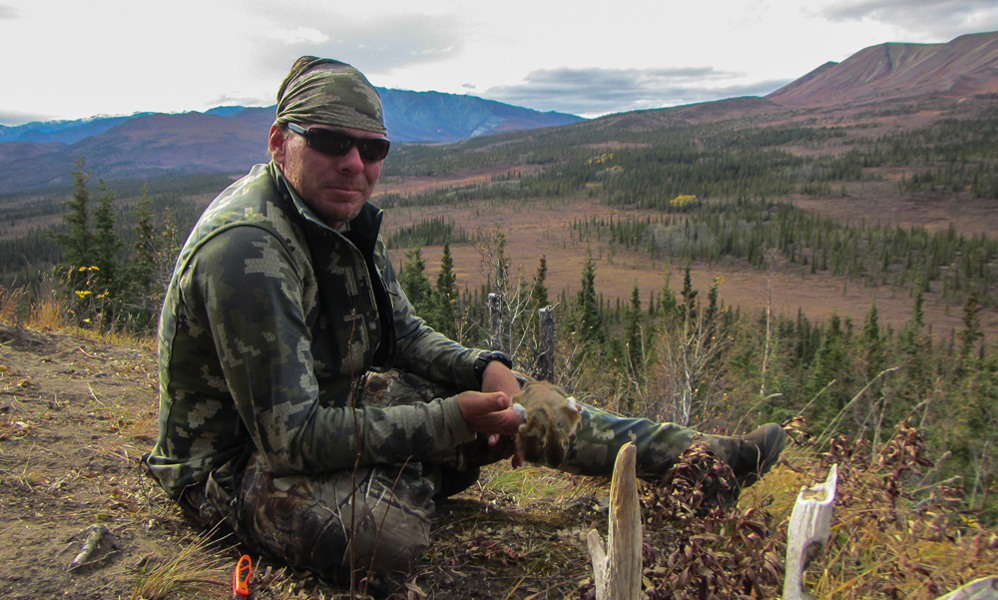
240,578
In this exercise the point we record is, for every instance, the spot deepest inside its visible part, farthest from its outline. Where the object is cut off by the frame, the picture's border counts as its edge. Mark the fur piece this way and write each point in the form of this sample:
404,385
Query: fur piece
551,416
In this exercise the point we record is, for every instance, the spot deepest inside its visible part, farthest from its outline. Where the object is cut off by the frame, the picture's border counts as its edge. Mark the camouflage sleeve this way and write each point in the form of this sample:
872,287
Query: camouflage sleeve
422,349
249,292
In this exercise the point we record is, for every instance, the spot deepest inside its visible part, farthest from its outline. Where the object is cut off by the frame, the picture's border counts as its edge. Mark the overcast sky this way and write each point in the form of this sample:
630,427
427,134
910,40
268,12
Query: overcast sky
68,59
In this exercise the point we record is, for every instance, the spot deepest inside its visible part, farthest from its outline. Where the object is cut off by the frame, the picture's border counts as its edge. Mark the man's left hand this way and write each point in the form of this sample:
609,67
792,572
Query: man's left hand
499,378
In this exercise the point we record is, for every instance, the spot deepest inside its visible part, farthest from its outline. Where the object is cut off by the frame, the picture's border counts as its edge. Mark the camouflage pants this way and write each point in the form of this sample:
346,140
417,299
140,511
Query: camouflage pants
377,521
376,524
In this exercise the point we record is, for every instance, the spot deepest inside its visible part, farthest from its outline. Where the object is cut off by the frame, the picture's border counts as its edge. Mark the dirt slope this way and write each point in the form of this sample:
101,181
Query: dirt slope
76,414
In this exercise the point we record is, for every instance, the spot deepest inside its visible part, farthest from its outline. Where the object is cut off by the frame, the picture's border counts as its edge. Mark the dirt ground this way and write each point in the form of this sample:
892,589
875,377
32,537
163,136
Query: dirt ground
76,414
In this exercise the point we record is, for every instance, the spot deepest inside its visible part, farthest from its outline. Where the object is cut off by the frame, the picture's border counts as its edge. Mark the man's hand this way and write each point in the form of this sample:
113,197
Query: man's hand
489,413
499,378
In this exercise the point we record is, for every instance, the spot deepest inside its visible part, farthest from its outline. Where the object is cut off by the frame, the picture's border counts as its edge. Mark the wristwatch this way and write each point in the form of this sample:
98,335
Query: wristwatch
488,356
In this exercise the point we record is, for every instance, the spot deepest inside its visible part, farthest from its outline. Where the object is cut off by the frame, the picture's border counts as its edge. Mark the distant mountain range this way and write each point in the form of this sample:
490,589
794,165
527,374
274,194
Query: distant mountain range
410,116
229,139
226,139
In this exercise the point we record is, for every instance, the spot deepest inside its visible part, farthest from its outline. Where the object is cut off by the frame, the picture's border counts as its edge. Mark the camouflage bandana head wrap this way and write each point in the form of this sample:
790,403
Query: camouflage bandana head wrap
329,92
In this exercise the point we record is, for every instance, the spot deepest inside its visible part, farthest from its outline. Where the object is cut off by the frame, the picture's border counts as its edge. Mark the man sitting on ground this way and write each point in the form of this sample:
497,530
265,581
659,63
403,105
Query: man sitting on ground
302,402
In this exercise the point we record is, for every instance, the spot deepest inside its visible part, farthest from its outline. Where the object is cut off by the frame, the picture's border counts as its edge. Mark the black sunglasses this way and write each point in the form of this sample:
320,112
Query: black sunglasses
336,143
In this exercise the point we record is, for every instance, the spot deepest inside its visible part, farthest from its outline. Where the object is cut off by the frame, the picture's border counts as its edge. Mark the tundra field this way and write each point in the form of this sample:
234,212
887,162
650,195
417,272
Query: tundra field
543,228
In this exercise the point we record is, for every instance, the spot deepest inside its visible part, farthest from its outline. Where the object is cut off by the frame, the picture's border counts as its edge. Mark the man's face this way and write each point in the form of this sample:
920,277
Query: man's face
334,187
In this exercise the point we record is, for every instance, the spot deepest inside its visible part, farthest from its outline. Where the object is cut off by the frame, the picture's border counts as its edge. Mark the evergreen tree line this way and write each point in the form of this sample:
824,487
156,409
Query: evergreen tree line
27,251
648,167
428,232
718,160
108,280
764,232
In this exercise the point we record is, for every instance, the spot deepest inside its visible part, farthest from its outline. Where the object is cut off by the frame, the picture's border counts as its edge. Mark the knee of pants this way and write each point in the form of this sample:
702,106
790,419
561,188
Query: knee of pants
330,525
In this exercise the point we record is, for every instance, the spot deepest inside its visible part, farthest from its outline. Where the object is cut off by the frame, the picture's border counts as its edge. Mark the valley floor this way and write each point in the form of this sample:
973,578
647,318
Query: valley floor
544,229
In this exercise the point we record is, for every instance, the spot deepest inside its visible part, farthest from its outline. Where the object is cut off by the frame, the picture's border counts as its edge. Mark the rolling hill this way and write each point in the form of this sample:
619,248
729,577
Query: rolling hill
966,66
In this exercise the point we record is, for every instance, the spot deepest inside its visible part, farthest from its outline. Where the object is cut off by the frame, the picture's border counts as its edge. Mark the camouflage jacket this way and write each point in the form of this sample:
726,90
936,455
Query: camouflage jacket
270,320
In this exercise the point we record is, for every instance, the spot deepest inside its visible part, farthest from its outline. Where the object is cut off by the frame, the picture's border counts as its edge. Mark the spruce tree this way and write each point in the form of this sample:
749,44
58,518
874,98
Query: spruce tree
77,240
689,296
539,291
499,275
143,269
873,346
831,364
106,242
667,305
633,334
914,350
590,318
414,282
444,317
971,334
710,314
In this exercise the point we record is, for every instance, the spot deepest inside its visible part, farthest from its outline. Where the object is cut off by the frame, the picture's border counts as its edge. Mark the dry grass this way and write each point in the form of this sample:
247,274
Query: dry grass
890,539
198,570
45,313
42,309
530,487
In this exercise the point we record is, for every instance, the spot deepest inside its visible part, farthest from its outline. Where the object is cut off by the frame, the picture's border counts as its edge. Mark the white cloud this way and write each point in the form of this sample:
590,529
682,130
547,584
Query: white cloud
301,35
590,92
938,20
433,51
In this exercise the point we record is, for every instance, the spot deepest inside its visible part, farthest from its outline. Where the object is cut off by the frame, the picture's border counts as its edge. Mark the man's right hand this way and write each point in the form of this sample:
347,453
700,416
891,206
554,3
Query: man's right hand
489,413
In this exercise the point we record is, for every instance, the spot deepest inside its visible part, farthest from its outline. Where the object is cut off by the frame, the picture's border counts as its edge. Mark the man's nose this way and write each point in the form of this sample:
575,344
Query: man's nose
351,161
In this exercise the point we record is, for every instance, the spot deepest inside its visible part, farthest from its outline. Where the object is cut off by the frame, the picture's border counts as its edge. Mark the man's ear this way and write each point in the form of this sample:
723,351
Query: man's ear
275,142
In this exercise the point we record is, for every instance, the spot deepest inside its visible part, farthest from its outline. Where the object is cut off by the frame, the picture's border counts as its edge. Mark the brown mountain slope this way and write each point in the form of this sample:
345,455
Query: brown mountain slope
963,67
146,146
